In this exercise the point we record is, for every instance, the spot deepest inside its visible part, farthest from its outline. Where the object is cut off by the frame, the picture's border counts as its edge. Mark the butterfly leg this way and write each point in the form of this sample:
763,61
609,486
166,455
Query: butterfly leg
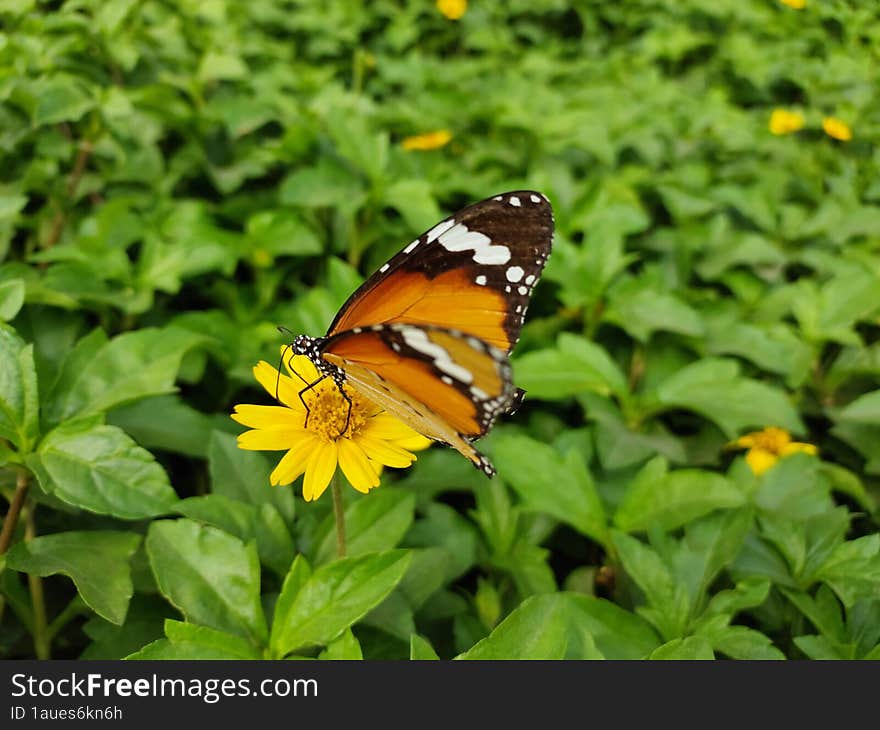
303,400
339,379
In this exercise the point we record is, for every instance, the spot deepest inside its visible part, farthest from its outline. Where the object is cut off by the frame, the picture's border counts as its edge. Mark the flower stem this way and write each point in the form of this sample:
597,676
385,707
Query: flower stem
11,519
339,513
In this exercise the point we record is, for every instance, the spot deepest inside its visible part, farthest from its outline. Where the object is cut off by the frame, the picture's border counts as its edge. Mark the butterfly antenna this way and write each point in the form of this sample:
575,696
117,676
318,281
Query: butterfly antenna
278,377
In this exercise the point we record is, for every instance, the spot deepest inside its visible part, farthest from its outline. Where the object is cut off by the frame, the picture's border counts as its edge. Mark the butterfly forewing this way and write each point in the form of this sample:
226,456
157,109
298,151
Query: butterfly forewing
473,272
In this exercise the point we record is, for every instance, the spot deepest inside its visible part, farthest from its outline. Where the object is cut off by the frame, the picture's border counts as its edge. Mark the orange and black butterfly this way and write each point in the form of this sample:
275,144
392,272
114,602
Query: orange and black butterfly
427,337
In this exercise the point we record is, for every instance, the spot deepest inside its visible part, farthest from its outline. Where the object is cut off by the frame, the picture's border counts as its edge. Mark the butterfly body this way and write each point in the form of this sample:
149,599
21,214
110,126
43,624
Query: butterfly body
427,337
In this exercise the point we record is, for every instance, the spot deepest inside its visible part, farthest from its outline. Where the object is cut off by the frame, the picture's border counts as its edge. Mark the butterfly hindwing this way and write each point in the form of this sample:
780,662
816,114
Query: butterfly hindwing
473,272
446,384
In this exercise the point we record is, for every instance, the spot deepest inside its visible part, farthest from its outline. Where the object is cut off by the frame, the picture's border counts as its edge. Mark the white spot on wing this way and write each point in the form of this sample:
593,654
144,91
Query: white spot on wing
534,199
439,229
530,279
411,247
523,290
384,268
514,274
459,238
418,340
514,201
481,280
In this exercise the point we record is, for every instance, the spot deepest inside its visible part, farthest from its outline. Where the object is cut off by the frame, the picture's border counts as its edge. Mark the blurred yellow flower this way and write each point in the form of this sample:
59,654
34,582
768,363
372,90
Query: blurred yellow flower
428,141
452,9
766,447
783,121
360,443
837,128
796,4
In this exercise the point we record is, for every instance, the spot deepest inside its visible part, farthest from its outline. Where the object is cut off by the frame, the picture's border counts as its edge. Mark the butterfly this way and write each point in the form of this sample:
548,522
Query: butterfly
427,337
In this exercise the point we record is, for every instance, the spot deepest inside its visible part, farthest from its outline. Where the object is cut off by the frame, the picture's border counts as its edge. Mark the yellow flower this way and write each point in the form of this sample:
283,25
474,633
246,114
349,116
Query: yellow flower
429,141
837,128
796,4
766,447
783,121
452,9
360,442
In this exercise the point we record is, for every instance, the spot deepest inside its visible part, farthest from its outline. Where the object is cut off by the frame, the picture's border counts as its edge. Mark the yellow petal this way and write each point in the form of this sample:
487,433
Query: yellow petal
796,447
319,470
293,463
837,128
760,460
268,417
384,452
783,121
269,378
274,439
356,466
301,368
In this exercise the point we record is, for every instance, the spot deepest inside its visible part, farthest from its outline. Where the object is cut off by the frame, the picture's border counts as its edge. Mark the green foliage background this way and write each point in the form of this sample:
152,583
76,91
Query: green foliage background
176,179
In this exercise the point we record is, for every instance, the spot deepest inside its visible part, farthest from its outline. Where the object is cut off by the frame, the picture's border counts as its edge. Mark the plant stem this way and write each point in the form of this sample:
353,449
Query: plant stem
73,609
38,601
11,520
339,513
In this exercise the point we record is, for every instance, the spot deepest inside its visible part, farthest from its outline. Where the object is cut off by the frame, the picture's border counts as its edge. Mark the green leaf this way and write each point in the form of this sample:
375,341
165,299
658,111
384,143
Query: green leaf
656,498
669,602
11,298
741,642
640,309
372,524
853,569
345,646
228,645
60,99
547,482
130,366
617,633
100,469
167,423
864,409
244,475
19,400
688,649
230,515
537,629
574,366
333,598
714,388
212,578
97,561
420,648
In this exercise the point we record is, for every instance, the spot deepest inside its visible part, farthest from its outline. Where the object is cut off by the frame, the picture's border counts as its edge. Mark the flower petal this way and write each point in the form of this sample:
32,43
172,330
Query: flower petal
356,466
293,463
319,470
268,417
301,368
273,439
288,390
796,447
384,452
760,460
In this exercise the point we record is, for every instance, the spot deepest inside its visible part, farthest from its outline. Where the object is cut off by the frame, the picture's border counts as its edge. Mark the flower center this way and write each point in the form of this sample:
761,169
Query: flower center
772,439
329,415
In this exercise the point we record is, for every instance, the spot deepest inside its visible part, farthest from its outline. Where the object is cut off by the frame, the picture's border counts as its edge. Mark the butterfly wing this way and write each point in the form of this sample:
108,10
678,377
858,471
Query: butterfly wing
445,384
473,272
